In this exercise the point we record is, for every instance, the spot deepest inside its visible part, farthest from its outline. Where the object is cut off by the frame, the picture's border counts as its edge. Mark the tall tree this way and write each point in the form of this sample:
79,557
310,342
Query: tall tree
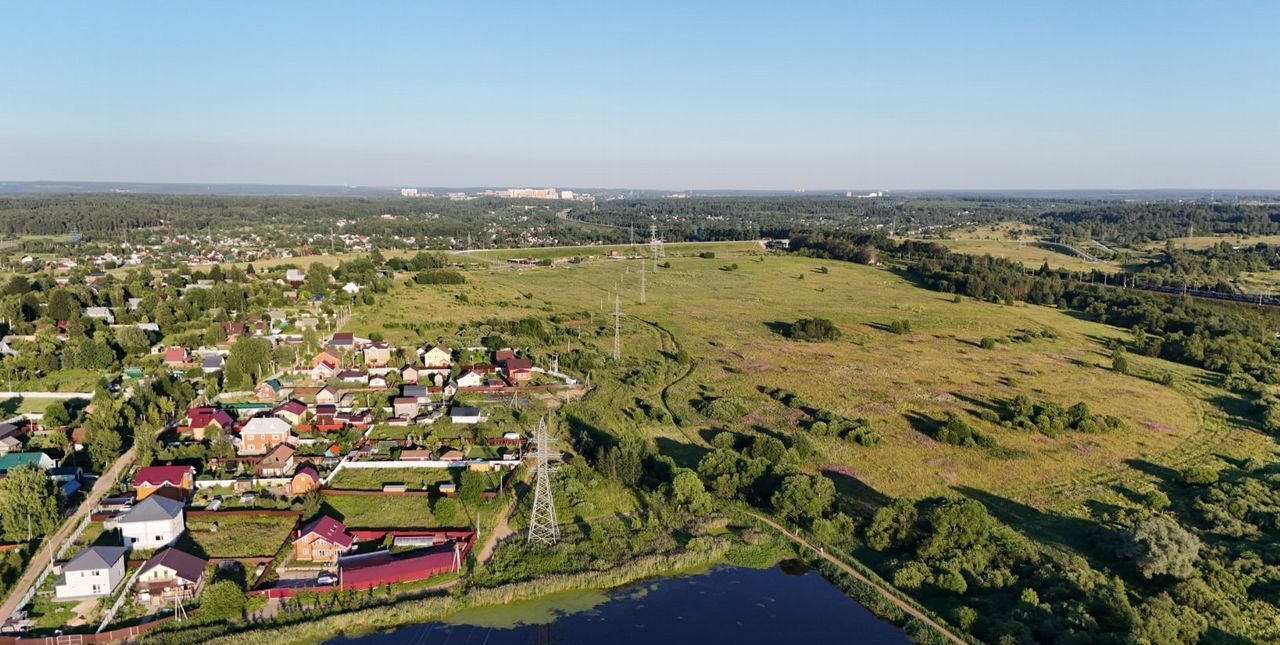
28,504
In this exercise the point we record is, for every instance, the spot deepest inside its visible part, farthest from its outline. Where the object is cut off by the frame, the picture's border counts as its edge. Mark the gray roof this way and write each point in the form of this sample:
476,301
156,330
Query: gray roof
96,558
153,508
464,412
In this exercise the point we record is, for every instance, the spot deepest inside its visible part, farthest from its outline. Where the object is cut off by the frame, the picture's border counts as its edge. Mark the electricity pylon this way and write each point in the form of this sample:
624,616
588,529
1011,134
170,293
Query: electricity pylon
543,527
655,245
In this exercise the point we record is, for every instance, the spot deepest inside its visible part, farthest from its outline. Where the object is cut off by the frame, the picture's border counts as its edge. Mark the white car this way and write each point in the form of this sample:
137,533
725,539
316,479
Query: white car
326,579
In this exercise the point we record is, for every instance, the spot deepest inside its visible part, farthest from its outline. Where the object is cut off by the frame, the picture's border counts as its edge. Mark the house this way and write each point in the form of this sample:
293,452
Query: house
503,355
153,523
306,322
150,479
518,369
470,378
353,377
176,357
200,421
437,356
292,411
233,330
212,363
378,381
100,313
459,414
418,392
409,374
377,355
405,406
170,575
94,573
323,371
295,277
327,395
420,454
351,288
261,434
270,390
304,481
19,459
342,340
324,540
434,375
10,443
327,356
278,462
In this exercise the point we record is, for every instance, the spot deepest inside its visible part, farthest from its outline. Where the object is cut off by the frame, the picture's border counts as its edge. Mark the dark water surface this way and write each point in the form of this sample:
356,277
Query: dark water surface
779,606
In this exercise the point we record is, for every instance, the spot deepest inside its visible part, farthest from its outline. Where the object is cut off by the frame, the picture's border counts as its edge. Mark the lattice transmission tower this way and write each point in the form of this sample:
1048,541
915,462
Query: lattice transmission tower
543,527
655,245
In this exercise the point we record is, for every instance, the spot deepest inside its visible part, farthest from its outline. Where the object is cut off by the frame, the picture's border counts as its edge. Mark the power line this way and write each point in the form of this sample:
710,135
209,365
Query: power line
617,327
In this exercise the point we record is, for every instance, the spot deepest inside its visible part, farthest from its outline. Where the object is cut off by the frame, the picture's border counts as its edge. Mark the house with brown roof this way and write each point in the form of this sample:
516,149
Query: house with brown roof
405,407
168,575
327,356
343,340
324,540
327,395
278,462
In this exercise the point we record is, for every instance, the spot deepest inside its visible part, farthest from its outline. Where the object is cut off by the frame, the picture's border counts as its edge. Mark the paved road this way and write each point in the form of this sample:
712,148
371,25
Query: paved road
41,557
903,605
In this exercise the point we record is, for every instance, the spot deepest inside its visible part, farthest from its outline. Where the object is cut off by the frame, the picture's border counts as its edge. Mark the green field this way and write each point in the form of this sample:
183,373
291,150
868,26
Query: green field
1029,253
376,478
905,384
237,536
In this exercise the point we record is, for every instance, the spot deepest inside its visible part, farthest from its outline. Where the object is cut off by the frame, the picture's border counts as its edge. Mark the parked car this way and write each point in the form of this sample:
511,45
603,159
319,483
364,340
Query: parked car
326,579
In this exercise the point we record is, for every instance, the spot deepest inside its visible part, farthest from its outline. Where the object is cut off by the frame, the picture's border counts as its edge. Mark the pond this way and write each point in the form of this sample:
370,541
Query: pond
785,604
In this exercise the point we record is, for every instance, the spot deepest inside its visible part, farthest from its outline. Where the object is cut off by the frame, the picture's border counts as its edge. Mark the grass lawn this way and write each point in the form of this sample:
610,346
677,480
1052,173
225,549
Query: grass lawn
376,478
237,536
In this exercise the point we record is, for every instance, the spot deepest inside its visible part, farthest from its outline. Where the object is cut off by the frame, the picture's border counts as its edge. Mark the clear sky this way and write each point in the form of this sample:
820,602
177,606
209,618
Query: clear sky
892,95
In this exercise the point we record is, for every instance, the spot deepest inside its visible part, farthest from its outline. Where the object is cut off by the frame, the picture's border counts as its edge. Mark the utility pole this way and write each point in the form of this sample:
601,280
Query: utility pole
617,327
543,526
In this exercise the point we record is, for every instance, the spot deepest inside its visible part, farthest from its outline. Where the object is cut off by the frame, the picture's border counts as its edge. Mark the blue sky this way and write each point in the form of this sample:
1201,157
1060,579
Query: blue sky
892,95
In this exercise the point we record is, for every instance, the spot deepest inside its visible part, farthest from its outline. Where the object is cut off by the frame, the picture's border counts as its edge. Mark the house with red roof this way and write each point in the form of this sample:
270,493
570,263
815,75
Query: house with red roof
176,357
324,540
199,421
518,370
292,411
150,479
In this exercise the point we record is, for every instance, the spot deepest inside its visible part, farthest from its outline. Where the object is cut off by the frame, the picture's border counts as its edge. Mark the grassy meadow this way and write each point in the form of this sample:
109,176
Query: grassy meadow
727,320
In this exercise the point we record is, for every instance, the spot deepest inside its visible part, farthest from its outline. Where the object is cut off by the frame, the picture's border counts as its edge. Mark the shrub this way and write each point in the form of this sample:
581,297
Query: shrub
439,276
900,326
988,342
1200,475
707,255
813,329
912,576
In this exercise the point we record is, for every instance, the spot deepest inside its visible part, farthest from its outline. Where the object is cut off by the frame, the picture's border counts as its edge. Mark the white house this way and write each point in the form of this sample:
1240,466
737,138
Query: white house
470,378
155,522
100,313
351,288
92,574
465,415
436,356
